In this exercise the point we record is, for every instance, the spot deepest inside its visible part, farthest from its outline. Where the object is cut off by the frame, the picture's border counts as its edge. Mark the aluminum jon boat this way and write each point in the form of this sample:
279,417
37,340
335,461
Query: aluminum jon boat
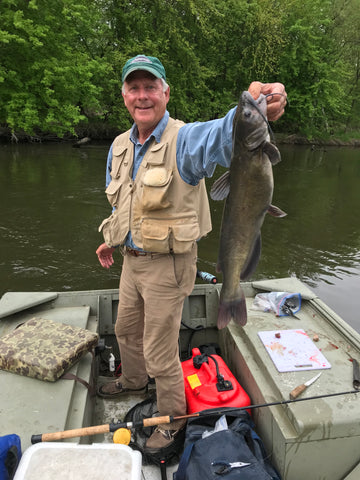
318,438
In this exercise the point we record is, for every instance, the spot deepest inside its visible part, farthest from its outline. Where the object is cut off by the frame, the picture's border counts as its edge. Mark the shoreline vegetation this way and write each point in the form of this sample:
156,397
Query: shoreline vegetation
61,64
102,133
331,141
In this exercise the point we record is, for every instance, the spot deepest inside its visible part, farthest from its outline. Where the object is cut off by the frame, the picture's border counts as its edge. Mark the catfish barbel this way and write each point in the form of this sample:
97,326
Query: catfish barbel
248,188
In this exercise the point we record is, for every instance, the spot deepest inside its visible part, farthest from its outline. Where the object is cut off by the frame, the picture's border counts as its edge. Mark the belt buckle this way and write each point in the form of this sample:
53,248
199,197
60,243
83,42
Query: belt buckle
135,253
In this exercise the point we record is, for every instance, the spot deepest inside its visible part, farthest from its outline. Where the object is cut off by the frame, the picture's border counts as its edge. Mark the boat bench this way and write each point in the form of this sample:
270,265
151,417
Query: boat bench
292,432
37,406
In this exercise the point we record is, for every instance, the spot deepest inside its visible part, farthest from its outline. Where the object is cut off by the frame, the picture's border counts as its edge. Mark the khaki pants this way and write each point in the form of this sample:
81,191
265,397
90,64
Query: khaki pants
152,293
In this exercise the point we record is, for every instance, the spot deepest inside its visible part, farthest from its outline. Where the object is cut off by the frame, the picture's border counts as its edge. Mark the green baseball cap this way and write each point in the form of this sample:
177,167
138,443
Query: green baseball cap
142,62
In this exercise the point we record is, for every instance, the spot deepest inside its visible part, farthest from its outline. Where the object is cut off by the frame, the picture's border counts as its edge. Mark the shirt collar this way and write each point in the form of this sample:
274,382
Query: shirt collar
157,133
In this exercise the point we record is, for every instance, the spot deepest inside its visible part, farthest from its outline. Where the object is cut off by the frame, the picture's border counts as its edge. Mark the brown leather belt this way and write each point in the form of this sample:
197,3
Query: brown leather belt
136,253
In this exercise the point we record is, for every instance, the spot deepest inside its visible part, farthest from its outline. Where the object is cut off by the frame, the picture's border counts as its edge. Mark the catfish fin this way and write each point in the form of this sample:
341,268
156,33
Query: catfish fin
232,310
272,152
221,187
275,211
252,260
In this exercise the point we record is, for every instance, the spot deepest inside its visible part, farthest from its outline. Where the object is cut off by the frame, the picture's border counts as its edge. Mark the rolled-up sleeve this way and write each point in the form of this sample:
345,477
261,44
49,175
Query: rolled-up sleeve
108,167
203,145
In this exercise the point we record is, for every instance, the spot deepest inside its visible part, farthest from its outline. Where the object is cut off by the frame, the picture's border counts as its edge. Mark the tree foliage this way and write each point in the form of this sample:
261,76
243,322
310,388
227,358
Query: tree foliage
61,60
48,78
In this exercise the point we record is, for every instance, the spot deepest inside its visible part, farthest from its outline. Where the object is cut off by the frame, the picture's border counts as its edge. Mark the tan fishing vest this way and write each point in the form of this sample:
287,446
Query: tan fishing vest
163,213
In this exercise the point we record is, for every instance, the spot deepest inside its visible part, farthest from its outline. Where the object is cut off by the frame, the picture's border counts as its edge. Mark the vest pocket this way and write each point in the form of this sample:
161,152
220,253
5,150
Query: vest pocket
113,191
113,231
155,236
156,183
184,235
165,236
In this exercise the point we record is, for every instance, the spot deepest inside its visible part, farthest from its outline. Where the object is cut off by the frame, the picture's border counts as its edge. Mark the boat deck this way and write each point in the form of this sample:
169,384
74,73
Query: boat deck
291,433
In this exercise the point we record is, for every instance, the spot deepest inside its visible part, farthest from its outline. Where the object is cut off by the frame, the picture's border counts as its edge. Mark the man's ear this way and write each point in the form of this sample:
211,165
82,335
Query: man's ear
124,97
167,94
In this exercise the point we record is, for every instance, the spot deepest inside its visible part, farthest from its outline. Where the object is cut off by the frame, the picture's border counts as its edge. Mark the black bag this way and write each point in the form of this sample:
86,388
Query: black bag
203,457
165,456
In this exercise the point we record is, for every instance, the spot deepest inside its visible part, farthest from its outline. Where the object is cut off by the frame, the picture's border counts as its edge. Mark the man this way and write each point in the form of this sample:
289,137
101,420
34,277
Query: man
155,184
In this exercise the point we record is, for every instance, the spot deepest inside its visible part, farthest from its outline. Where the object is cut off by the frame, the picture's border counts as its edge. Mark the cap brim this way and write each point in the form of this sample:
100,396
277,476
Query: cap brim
144,68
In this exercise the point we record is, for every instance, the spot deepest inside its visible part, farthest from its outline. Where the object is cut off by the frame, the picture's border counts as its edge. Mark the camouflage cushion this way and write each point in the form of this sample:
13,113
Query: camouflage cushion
44,349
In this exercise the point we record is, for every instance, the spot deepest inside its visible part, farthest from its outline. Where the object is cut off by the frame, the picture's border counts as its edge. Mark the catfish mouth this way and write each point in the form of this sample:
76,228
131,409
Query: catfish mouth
250,122
256,137
249,104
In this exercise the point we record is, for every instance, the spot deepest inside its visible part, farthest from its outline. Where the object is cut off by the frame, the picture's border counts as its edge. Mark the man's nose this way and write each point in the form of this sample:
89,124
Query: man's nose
143,92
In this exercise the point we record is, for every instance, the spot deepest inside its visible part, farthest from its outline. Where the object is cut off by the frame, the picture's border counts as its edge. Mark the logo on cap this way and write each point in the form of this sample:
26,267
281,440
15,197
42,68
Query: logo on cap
140,58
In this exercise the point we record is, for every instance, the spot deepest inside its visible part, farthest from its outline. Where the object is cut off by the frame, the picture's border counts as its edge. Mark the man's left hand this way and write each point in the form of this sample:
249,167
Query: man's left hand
276,99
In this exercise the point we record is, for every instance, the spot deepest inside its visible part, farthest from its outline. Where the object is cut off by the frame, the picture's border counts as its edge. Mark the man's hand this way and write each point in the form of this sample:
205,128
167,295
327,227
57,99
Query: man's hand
105,256
275,103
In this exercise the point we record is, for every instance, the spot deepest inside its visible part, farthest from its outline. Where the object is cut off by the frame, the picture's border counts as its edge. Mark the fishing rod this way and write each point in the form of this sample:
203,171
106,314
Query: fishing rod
153,421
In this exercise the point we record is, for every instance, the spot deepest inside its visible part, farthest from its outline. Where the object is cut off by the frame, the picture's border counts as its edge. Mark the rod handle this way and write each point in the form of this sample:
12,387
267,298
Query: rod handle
297,391
149,422
95,430
77,432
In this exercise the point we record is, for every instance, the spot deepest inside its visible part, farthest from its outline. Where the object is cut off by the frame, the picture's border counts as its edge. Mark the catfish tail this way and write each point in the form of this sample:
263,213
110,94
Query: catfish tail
232,310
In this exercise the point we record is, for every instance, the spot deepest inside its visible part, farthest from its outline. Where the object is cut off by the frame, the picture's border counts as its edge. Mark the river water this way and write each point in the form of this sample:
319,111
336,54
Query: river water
52,201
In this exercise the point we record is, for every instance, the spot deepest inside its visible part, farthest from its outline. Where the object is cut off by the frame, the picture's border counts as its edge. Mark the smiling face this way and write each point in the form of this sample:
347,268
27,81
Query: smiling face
145,100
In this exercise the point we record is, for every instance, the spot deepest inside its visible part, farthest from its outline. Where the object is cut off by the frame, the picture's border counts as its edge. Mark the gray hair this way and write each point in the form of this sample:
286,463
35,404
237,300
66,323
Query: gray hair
165,86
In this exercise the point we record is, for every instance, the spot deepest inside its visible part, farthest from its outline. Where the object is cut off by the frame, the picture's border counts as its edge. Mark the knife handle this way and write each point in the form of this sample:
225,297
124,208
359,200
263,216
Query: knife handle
297,391
356,374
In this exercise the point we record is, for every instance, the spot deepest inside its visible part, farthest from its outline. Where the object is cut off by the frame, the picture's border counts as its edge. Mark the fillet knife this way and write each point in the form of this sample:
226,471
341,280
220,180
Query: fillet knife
298,390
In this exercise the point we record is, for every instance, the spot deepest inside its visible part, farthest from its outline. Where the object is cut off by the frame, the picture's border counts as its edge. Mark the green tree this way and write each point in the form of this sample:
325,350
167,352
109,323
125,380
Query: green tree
171,30
61,60
48,78
346,31
311,67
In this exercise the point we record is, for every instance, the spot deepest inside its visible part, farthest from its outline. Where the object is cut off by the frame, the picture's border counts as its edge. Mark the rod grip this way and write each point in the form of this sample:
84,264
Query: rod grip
78,432
149,422
297,391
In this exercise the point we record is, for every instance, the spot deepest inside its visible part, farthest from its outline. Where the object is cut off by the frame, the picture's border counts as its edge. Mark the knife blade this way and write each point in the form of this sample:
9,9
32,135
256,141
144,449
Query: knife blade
299,389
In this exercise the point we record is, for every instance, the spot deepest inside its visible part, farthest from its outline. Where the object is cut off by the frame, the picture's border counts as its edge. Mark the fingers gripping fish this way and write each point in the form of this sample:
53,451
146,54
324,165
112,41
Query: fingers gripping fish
248,189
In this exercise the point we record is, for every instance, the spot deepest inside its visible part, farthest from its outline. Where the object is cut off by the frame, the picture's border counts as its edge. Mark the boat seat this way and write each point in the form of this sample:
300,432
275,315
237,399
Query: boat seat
37,406
14,302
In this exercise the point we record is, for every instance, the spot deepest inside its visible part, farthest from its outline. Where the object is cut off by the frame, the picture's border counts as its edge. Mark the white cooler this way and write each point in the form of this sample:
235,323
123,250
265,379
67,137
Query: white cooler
70,461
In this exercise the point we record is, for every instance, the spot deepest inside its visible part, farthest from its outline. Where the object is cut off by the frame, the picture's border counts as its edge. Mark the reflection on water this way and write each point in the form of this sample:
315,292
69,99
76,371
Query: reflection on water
52,201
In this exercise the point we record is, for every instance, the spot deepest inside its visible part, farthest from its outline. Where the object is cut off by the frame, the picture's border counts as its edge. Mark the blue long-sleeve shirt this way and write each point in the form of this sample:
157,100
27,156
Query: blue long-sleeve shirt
200,147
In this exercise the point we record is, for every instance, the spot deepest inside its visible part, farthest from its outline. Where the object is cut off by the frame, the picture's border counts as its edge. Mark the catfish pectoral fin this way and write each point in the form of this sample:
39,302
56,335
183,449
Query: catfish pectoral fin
275,211
234,310
272,152
221,187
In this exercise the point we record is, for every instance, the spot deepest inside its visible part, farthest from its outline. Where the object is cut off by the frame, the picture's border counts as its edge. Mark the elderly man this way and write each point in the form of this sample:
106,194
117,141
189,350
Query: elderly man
155,184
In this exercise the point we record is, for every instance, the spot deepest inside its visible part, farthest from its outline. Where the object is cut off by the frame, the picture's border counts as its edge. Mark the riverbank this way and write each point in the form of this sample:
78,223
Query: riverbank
294,139
108,133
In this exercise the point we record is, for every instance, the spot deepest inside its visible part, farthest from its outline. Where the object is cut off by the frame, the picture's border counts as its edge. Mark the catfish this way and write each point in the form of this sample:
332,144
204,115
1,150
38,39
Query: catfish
248,189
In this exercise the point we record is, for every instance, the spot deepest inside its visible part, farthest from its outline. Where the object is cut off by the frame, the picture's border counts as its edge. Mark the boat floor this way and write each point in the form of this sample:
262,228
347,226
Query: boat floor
113,411
290,433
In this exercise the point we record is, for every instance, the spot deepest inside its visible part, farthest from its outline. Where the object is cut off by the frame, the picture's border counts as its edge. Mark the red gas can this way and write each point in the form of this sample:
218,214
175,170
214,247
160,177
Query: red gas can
210,384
